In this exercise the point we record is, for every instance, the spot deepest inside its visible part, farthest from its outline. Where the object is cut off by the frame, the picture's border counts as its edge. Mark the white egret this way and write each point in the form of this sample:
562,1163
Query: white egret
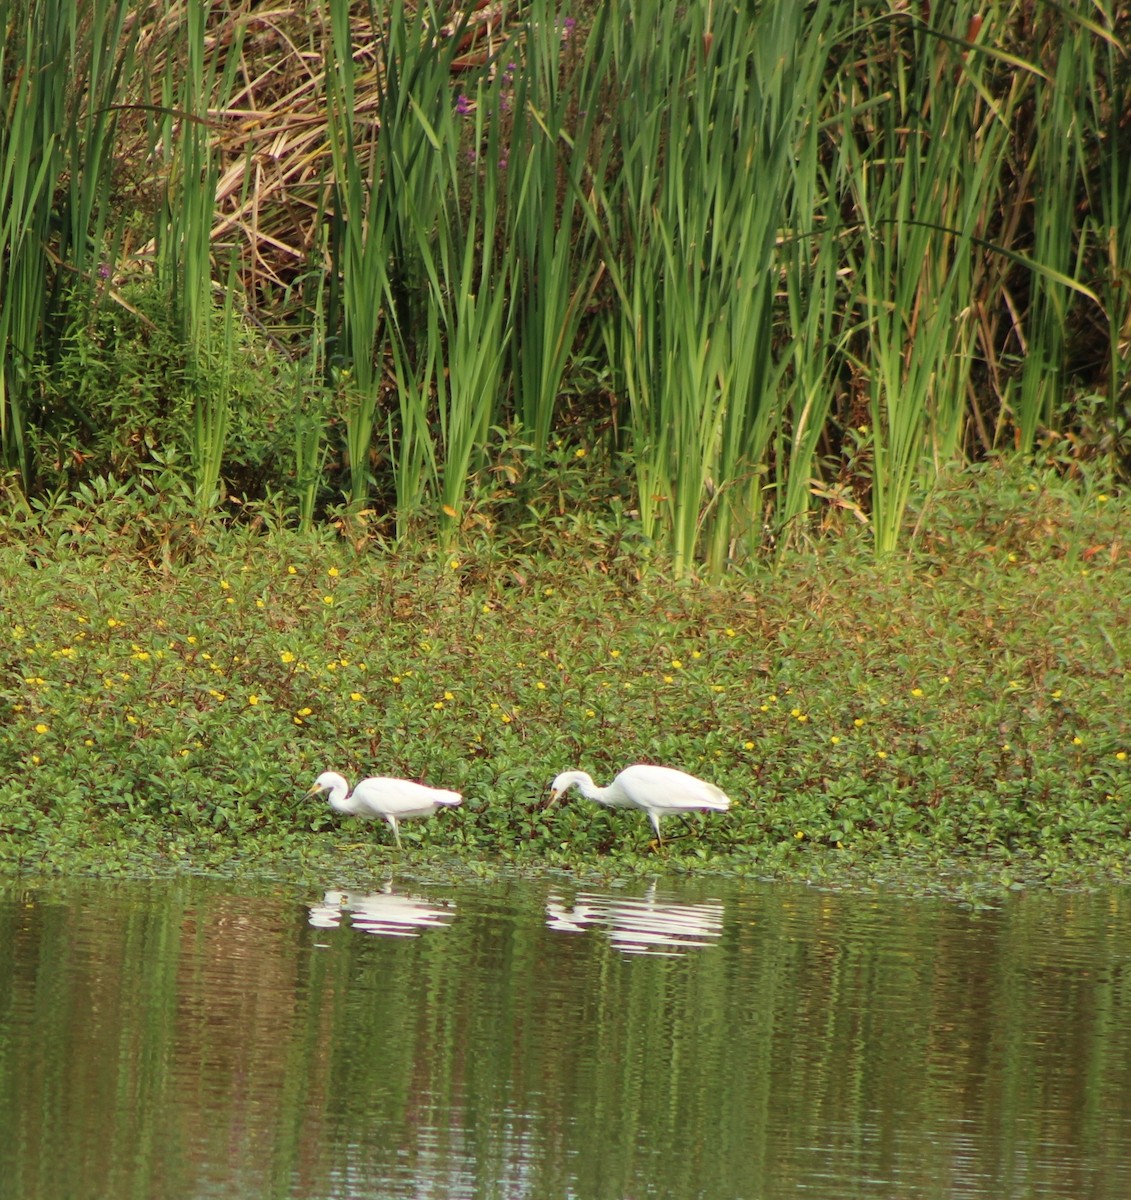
393,799
656,790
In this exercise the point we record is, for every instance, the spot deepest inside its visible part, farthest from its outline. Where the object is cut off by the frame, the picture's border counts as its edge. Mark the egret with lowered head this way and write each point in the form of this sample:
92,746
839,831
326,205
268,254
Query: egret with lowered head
656,790
393,799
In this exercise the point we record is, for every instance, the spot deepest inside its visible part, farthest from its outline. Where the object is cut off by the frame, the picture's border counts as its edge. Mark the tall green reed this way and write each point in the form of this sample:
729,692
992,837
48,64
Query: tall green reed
61,72
921,170
557,101
710,108
200,65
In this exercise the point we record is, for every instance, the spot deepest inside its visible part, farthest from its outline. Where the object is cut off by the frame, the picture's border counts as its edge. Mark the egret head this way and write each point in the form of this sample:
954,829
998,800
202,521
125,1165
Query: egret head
327,782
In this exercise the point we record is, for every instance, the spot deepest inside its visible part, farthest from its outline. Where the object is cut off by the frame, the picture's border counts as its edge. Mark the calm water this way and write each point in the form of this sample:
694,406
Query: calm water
190,1039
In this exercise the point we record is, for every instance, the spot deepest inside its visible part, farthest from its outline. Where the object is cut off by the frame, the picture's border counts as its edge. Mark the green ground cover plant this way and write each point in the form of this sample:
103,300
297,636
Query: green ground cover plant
962,711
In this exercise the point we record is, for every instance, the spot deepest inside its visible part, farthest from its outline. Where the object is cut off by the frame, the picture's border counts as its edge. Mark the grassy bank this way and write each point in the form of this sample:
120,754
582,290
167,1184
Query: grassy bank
962,711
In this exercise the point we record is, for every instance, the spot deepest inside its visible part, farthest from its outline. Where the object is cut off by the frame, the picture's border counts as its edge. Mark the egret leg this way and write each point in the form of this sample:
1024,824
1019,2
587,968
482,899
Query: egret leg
396,832
654,817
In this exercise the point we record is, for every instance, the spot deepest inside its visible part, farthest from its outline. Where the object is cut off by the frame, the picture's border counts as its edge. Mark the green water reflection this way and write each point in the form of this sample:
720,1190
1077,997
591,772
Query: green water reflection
189,1039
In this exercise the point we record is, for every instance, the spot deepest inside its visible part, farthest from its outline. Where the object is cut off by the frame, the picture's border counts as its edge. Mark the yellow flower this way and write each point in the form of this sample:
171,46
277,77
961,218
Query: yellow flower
396,679
1121,755
454,564
696,654
507,718
438,704
333,572
305,712
112,623
1102,498
486,608
448,696
859,722
540,686
224,585
1077,741
581,452
41,728
799,834
589,712
763,708
88,741
881,754
292,570
729,632
36,760
676,664
287,657
669,679
355,696
253,699
835,740
748,745
916,692
327,599
141,656
260,602
717,687
614,654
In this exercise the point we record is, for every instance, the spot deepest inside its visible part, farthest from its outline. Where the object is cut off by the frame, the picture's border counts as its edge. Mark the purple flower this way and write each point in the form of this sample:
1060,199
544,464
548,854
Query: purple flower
463,105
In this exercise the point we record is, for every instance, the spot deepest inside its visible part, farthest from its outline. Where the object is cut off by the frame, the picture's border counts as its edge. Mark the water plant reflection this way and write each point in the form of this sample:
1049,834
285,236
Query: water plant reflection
386,913
640,925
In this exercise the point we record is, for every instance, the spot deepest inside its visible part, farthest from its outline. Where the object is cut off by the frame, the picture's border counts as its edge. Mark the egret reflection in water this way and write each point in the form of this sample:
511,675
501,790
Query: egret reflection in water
385,913
640,925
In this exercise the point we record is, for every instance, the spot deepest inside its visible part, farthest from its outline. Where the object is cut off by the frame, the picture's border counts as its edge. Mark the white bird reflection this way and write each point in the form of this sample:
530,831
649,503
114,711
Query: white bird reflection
640,925
385,913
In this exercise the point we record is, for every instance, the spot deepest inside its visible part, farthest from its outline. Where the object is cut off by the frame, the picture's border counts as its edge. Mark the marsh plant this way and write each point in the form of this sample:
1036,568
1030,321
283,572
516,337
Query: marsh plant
789,263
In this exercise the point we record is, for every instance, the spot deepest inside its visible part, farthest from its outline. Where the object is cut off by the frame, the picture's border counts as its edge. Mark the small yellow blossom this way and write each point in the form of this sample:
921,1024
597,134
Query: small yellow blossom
676,664
131,718
260,602
486,608
286,656
356,696
454,564
669,679
41,728
729,632
88,741
327,599
696,654
36,760
448,696
396,679
835,740
540,686
916,692
748,745
1121,755
507,718
881,754
224,585
438,704
112,623
799,834
589,712
717,687
253,699
614,654
305,712
1102,498
333,572
141,656
859,722
292,570
1077,741
580,452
